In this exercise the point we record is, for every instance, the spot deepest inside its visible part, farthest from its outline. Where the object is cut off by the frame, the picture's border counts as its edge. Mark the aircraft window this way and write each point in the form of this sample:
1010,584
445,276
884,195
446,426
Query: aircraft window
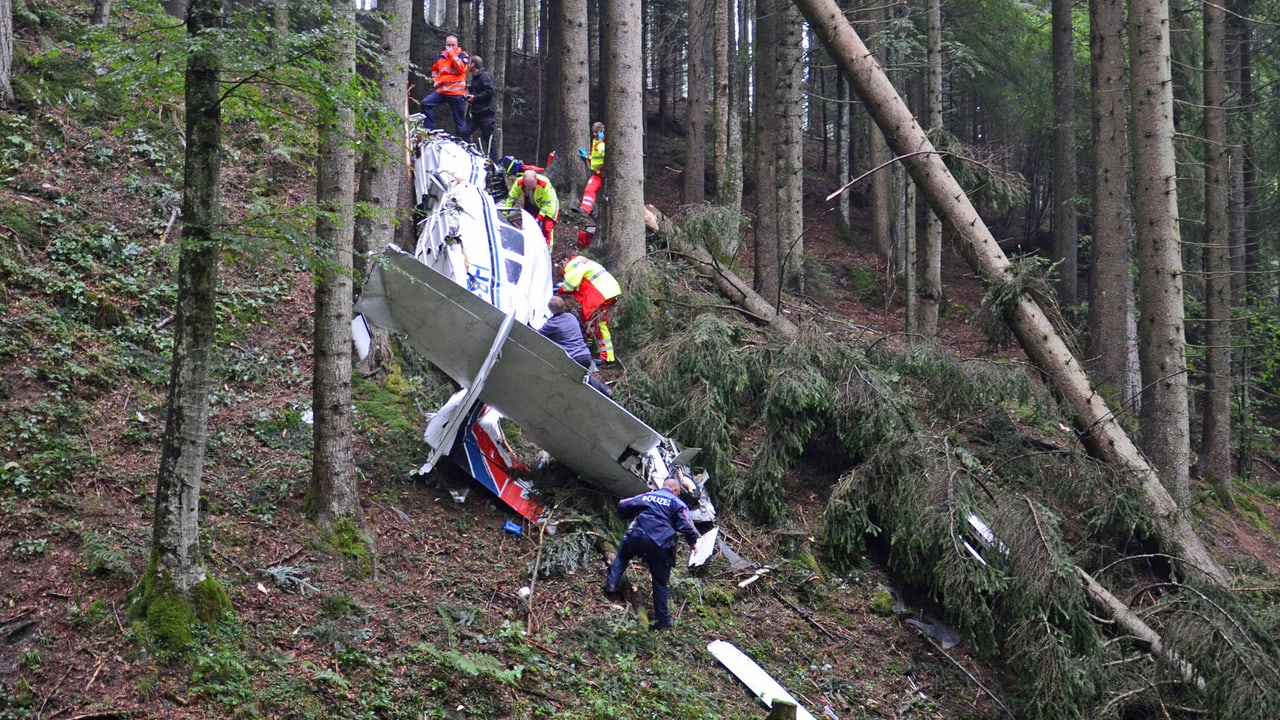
513,270
513,240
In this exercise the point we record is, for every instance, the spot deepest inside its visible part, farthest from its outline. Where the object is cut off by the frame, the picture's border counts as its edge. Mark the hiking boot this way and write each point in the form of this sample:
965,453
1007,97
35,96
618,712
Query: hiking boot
658,625
610,592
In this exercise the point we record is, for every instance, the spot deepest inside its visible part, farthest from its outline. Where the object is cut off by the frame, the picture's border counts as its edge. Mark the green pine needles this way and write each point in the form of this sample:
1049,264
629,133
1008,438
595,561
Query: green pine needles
922,441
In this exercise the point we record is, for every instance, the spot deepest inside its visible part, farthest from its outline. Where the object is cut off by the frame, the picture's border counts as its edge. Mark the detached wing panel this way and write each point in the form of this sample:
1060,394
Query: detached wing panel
534,383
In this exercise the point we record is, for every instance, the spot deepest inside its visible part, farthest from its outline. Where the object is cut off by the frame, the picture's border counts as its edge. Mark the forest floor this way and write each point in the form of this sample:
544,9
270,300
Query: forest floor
329,633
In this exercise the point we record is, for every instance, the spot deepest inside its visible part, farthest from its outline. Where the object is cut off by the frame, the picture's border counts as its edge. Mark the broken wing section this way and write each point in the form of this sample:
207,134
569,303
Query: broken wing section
534,383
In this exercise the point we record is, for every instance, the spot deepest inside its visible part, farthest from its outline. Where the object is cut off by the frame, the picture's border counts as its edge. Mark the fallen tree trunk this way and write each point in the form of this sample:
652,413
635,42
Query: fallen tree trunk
740,292
1094,421
1126,620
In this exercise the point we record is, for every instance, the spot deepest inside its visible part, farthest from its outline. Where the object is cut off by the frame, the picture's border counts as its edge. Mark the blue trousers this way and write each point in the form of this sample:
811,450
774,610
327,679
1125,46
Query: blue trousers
458,103
660,561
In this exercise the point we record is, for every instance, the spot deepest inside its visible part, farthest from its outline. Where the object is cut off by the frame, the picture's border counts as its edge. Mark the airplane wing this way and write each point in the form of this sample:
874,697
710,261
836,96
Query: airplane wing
533,382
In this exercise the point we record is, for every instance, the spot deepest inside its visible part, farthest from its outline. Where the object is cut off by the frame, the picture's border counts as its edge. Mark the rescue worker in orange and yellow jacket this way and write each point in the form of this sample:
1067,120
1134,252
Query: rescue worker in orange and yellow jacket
596,291
540,202
595,164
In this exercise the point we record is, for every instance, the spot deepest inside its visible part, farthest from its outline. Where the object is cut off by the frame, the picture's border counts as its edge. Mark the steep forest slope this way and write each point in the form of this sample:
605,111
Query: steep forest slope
428,619
428,622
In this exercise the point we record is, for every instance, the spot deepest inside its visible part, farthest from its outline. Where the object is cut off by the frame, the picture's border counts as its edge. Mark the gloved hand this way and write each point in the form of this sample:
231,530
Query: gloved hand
582,153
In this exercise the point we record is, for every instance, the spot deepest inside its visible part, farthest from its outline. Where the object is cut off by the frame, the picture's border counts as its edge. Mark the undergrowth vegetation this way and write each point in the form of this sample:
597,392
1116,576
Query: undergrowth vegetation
958,475
955,474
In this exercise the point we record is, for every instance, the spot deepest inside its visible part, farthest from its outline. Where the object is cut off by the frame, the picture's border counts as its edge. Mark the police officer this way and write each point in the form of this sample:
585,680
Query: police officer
656,518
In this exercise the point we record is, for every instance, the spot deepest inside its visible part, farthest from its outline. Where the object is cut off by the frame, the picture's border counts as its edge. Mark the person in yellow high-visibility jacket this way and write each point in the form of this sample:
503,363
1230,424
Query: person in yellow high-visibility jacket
596,291
538,196
595,165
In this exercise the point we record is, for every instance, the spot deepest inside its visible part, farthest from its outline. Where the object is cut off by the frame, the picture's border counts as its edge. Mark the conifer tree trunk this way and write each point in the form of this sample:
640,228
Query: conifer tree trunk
768,280
549,104
623,214
1244,255
333,479
1112,338
487,39
695,155
1215,449
382,167
529,42
789,145
730,184
664,53
929,287
570,120
420,56
176,561
177,8
739,72
882,180
1162,352
101,15
6,54
594,68
1065,242
466,25
280,18
499,59
843,133
720,34
1112,331
451,19
1094,420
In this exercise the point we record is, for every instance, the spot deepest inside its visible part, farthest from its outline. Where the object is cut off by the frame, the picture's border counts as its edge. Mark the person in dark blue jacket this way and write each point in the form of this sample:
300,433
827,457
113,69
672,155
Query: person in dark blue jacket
656,518
563,329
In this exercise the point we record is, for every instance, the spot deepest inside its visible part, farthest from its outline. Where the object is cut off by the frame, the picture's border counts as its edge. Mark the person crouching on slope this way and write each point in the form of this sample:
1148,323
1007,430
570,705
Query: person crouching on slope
596,291
564,330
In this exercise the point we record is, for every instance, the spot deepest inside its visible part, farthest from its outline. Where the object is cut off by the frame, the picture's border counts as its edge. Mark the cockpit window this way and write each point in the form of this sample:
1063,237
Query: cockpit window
513,268
512,240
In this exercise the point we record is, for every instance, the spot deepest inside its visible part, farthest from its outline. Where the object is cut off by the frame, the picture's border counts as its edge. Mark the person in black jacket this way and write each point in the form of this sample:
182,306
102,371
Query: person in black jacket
657,517
482,96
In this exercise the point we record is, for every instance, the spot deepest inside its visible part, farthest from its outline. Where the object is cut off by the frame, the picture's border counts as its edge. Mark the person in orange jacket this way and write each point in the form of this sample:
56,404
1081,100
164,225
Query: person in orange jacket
596,291
449,76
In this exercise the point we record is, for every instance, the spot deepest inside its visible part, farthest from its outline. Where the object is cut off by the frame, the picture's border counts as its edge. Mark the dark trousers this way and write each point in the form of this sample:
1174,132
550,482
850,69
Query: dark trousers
457,103
589,364
483,124
660,561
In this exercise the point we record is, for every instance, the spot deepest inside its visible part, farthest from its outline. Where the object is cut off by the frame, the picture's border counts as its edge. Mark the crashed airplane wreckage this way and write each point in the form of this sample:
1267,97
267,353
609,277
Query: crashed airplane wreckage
468,298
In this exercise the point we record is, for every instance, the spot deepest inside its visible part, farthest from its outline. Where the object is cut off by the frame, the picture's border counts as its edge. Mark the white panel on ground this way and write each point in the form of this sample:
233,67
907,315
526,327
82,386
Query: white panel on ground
754,677
706,544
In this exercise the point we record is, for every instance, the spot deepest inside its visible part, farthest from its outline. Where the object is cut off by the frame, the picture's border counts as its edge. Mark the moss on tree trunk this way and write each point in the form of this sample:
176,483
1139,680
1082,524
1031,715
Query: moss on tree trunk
170,613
